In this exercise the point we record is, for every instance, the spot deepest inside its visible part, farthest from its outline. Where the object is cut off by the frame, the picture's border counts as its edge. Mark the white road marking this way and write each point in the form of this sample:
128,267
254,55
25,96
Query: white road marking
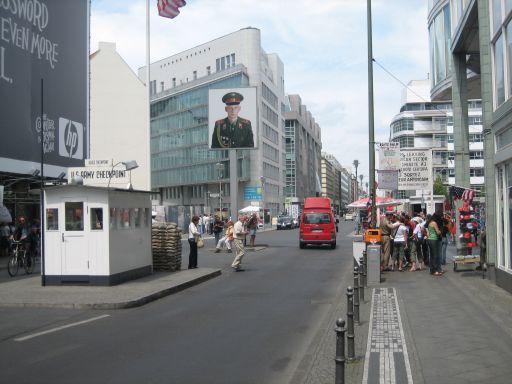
60,328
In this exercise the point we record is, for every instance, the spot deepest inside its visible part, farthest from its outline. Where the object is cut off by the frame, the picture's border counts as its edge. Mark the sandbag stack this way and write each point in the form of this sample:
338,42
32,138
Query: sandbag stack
166,247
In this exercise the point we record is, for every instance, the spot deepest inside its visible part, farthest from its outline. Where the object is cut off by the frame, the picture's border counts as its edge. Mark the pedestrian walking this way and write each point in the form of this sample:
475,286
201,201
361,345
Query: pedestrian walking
445,233
226,239
252,225
193,235
218,227
239,234
200,224
386,228
5,234
400,244
417,245
434,244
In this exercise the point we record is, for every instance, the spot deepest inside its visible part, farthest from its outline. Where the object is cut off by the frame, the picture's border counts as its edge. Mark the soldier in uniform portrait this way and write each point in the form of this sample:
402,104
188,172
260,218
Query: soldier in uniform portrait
232,131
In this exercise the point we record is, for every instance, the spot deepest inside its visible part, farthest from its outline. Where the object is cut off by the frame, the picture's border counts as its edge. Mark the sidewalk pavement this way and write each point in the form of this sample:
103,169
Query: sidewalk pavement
28,292
456,329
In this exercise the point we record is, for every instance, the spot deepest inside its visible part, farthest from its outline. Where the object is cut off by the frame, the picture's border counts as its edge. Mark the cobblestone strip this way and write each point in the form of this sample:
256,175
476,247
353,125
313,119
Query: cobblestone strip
387,361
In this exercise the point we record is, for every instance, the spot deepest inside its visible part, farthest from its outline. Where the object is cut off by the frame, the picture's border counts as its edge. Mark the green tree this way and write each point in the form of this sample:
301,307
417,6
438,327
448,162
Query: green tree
439,187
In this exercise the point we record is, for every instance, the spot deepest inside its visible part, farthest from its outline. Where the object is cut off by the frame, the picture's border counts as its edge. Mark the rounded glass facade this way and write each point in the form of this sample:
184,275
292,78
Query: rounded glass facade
440,40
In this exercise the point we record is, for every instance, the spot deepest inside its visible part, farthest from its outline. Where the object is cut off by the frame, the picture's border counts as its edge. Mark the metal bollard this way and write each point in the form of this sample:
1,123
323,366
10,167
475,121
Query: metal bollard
356,295
351,354
365,263
361,279
340,352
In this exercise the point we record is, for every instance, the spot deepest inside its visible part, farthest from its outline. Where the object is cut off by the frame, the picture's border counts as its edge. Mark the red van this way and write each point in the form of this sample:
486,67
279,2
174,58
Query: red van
317,225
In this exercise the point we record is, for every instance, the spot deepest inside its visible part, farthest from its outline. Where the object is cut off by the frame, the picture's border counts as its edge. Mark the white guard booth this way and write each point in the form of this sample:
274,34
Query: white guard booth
96,235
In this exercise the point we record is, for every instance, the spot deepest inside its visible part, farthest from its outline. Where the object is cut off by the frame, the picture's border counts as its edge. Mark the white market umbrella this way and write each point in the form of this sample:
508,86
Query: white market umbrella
250,209
379,201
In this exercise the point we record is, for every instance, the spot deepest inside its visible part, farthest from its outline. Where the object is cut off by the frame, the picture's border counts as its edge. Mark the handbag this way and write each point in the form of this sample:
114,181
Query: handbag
200,242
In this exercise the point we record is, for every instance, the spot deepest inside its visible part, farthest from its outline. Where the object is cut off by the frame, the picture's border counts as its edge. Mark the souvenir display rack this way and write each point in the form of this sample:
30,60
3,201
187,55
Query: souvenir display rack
468,226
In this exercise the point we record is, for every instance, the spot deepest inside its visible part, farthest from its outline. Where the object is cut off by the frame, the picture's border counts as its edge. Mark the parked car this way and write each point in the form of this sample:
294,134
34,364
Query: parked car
349,216
284,222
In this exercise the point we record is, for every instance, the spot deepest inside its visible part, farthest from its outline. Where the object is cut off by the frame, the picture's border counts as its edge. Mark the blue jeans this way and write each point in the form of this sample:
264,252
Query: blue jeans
444,245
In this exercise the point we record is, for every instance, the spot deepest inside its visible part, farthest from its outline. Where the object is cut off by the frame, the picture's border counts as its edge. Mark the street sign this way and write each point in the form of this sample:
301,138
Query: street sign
100,176
252,193
214,195
415,169
389,156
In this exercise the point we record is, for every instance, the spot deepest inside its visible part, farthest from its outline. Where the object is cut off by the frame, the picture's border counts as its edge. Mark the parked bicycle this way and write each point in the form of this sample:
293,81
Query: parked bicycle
20,257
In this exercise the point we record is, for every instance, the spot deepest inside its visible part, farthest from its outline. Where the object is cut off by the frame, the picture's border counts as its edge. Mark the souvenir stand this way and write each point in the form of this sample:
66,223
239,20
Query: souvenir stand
468,226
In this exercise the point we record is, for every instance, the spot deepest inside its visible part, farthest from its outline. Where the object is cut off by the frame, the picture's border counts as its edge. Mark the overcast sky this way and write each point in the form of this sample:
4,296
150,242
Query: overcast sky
323,45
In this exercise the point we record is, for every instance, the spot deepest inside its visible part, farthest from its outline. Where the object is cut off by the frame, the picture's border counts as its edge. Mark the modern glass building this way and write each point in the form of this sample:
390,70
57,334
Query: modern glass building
187,177
480,41
303,152
423,124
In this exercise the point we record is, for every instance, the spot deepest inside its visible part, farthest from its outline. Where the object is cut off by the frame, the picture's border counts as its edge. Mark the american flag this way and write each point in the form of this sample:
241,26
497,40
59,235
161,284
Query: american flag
169,8
464,194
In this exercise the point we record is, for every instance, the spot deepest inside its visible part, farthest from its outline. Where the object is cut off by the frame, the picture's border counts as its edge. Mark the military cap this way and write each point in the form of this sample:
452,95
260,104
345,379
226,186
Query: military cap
232,98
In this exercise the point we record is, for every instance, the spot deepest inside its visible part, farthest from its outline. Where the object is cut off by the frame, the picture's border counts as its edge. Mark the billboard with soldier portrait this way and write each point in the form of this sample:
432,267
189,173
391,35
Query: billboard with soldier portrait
232,118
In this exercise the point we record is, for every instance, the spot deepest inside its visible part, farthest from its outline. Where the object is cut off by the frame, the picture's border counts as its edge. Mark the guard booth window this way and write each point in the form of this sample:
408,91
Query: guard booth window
96,219
52,219
74,216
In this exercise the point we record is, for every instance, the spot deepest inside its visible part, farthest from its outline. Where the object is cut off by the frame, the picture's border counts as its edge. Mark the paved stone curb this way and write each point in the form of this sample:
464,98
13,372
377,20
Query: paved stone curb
28,292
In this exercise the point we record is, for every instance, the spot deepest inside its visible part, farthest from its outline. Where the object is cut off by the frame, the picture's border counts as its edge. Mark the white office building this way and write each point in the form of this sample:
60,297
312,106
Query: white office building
424,124
186,176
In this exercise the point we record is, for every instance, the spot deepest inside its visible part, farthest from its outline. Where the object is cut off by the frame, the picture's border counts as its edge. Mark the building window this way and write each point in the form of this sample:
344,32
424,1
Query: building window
74,217
208,70
503,138
173,82
52,219
475,155
96,216
161,86
228,61
476,172
217,65
232,59
195,75
499,74
439,36
222,63
476,138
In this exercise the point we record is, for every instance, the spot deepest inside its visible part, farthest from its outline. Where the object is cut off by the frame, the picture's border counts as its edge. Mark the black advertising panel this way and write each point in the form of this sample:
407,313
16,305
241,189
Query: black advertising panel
44,39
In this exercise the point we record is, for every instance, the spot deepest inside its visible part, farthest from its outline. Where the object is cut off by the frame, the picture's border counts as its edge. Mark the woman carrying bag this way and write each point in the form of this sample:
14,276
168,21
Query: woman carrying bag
193,236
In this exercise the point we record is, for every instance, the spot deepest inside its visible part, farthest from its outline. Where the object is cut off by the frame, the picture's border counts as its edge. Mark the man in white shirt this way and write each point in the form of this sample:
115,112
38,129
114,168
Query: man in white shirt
239,233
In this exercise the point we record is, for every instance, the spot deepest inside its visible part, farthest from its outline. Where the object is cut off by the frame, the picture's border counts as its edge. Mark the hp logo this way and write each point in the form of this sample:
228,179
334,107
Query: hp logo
71,139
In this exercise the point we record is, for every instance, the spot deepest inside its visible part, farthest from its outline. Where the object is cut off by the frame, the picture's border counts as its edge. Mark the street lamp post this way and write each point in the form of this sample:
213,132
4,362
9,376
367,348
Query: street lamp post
361,178
262,179
220,169
356,164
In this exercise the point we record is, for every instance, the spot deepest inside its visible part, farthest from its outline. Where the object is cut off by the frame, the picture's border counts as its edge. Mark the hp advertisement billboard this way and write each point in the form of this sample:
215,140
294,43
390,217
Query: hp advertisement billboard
43,42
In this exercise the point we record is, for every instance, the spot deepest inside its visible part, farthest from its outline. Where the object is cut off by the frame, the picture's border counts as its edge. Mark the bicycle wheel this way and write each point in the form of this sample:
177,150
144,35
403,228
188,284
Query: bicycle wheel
12,265
28,262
